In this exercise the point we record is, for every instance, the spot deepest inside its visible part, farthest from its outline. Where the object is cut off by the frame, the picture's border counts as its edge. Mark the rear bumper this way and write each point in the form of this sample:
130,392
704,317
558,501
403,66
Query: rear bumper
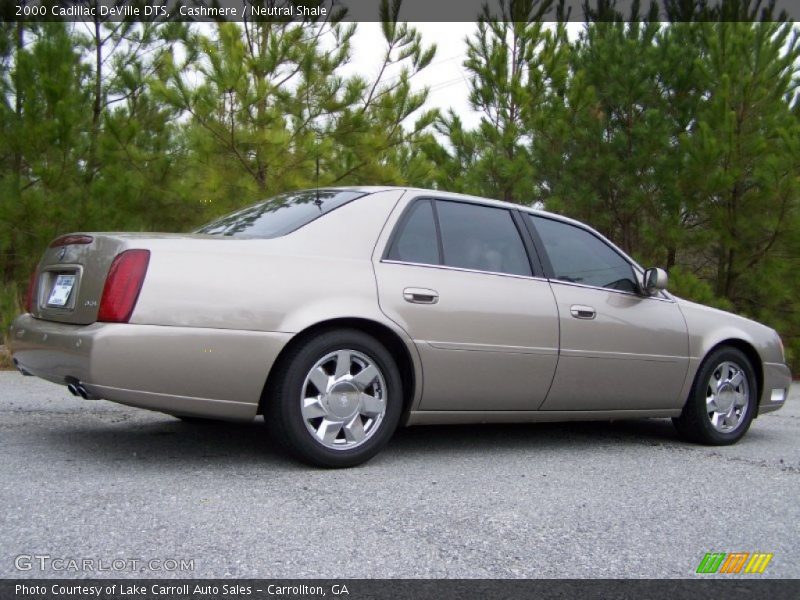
777,379
179,370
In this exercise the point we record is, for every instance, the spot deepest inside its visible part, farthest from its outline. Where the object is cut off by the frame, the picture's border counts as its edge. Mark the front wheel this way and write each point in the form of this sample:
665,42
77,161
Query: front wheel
337,401
723,400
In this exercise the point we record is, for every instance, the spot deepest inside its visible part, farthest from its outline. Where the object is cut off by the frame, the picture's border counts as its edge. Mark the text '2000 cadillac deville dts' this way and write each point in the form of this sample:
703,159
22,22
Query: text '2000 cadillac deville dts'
338,314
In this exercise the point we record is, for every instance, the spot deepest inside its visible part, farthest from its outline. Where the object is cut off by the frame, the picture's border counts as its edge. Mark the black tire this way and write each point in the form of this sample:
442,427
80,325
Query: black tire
694,424
282,403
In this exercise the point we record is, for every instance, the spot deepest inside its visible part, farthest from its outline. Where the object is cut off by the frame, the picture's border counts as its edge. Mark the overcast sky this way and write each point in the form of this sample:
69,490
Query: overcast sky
445,76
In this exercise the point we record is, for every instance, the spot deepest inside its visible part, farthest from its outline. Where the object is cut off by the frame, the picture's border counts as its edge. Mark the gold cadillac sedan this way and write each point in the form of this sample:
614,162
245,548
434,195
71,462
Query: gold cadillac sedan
338,314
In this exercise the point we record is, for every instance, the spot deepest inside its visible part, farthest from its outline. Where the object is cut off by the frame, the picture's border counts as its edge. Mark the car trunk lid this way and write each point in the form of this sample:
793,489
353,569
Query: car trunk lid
72,273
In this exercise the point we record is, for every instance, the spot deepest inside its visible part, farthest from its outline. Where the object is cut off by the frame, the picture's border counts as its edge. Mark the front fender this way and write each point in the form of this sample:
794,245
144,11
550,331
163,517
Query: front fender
709,327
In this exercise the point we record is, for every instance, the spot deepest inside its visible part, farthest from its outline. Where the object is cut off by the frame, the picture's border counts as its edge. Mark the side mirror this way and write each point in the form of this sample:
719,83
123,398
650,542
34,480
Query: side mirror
655,280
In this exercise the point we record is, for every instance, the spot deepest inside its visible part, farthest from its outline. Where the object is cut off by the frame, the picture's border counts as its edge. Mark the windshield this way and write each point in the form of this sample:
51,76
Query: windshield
280,215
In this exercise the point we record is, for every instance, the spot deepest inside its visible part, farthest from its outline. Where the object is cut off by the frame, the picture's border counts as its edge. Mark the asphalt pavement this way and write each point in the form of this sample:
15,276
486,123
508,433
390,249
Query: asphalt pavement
138,493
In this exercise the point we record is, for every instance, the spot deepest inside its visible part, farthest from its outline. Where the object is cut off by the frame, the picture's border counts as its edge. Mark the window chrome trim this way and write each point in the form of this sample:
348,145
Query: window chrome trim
461,269
528,277
623,292
524,211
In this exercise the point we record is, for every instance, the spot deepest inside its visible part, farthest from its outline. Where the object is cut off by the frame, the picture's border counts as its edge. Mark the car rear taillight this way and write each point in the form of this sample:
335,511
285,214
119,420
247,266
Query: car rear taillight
68,240
123,284
30,294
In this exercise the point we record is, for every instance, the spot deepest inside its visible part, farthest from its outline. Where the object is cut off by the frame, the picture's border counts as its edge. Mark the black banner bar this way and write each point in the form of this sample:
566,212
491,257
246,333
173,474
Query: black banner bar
410,10
418,589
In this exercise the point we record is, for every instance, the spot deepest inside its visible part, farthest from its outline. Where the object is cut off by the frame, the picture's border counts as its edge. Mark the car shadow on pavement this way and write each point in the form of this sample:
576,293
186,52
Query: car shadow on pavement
575,437
170,441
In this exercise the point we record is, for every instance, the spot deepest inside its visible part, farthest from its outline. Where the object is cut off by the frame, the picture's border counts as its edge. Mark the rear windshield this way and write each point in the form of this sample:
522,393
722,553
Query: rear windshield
280,215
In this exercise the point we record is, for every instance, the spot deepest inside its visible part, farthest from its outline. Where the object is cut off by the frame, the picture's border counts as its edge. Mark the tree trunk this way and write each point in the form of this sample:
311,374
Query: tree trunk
97,112
10,269
722,277
729,275
671,257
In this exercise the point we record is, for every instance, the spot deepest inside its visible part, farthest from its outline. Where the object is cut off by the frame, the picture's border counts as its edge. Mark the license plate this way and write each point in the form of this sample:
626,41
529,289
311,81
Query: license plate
61,290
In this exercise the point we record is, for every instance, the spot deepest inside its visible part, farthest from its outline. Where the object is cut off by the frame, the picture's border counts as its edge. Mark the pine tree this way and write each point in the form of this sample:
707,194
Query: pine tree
615,132
505,58
272,111
43,124
744,158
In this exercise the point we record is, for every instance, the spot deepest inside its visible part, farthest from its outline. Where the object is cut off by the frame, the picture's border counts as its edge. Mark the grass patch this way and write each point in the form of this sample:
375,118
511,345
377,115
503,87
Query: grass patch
10,307
5,359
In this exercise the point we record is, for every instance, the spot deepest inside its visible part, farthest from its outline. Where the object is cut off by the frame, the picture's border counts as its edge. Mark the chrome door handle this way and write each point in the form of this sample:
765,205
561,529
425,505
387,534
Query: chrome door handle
579,311
420,296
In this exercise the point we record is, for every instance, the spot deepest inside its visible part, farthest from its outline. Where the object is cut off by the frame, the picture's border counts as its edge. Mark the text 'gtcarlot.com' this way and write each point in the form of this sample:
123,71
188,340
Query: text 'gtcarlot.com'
45,562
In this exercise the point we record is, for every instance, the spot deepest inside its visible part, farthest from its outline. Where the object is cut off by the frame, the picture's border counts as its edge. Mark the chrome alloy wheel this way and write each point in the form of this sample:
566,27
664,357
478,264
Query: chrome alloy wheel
343,400
727,397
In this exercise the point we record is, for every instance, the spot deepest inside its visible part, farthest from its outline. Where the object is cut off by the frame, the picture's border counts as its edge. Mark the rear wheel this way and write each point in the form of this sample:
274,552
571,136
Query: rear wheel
722,401
337,401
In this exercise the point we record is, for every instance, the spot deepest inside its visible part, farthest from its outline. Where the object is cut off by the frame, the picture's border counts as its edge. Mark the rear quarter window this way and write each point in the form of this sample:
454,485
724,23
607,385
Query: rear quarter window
416,242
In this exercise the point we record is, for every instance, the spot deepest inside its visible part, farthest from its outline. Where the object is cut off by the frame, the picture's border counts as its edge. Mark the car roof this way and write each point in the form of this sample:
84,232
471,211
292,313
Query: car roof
371,189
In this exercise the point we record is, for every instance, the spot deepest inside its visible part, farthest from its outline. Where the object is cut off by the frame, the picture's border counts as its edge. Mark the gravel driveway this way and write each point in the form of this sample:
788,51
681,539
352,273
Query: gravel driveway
102,482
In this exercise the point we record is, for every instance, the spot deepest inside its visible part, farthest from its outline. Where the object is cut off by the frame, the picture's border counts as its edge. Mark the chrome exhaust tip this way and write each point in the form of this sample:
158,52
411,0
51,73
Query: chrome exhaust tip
76,388
84,393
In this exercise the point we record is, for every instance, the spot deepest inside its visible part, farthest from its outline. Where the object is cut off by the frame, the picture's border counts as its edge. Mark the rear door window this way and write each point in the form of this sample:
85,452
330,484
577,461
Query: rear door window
482,238
474,237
